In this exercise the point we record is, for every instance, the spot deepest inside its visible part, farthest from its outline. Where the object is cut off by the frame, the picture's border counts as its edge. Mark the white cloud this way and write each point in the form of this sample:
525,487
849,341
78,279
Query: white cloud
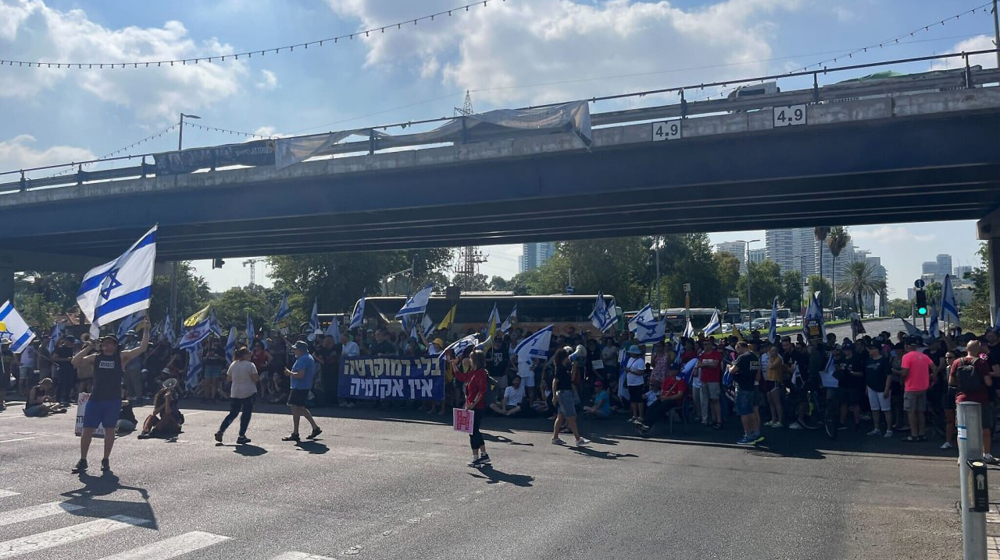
977,43
888,234
844,14
268,80
33,30
503,45
18,153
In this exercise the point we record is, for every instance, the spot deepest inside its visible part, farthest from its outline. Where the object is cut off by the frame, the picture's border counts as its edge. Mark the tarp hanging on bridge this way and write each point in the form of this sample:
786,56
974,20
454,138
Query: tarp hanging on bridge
567,117
260,152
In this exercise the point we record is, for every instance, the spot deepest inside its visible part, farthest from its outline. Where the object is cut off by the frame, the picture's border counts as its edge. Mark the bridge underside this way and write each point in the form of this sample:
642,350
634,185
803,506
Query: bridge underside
945,167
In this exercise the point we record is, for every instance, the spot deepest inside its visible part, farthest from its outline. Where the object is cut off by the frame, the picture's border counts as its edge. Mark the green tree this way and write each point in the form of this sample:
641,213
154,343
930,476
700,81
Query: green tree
192,294
900,307
614,266
821,233
819,284
522,284
836,241
765,284
471,282
934,292
232,306
728,270
57,288
862,281
688,259
791,290
37,311
976,315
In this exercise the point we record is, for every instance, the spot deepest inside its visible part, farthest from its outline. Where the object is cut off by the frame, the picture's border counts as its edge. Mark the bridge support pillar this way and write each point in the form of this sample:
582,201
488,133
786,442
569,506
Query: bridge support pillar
993,262
6,276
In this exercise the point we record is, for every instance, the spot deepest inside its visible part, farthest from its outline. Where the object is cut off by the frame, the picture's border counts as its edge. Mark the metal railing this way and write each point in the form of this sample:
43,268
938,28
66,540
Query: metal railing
967,77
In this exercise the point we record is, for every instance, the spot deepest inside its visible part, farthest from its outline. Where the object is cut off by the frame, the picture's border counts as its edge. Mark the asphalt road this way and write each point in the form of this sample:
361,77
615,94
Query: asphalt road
383,484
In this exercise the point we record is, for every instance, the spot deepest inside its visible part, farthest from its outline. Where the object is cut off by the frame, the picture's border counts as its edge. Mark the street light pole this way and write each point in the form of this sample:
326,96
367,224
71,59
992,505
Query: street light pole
174,269
747,249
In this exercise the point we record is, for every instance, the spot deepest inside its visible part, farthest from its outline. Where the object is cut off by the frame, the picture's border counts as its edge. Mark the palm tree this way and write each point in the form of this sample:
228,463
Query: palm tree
821,233
861,282
837,240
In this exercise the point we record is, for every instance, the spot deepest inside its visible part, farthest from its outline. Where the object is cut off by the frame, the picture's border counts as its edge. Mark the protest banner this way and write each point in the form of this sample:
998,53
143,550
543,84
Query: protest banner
462,420
391,378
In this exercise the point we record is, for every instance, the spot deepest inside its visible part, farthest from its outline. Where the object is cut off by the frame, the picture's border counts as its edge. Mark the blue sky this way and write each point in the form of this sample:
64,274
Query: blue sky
503,53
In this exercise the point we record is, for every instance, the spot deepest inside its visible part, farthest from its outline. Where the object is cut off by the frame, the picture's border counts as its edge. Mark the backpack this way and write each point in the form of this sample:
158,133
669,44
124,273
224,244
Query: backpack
967,376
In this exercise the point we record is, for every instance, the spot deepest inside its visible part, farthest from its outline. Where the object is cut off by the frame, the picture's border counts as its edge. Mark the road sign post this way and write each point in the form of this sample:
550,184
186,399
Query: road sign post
970,453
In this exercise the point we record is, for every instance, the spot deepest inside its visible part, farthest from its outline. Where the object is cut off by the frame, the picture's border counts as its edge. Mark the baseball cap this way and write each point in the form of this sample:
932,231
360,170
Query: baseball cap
301,345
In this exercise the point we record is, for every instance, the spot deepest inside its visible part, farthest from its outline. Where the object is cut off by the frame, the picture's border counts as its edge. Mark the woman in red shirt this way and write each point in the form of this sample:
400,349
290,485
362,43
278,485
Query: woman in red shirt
475,400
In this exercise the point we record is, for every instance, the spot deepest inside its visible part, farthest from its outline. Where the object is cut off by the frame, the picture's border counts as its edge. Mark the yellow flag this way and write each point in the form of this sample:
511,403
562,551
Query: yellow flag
198,317
448,319
738,334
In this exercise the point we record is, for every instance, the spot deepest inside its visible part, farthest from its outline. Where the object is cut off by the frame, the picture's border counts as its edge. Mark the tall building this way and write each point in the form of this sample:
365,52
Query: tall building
757,256
944,265
961,271
792,249
534,255
929,270
737,249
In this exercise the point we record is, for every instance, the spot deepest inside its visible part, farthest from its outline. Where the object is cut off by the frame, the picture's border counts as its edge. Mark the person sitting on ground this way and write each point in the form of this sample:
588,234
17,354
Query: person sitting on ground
39,401
602,403
126,420
166,419
671,397
513,396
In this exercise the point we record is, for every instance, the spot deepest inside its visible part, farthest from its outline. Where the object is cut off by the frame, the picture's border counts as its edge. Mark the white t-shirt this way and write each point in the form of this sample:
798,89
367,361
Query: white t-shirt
351,349
28,357
242,372
636,369
513,397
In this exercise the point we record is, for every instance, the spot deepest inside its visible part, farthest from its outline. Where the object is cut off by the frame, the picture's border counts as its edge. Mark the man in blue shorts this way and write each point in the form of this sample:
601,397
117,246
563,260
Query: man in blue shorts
105,402
302,374
746,374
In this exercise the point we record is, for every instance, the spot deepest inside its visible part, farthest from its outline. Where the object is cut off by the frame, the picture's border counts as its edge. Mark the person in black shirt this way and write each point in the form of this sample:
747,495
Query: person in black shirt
66,373
746,375
328,357
878,369
851,378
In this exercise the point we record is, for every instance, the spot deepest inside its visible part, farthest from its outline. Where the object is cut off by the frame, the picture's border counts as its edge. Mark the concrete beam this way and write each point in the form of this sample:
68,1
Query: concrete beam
54,262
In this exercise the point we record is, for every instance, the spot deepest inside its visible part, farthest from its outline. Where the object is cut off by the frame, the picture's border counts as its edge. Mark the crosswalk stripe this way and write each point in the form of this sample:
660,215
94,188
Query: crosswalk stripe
171,548
7,493
300,556
66,535
36,512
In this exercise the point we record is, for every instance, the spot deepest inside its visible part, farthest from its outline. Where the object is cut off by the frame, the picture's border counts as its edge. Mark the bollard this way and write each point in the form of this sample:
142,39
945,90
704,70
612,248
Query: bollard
970,449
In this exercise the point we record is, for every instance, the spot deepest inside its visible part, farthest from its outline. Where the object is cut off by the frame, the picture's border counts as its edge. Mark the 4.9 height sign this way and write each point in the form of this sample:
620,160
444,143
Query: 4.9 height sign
391,378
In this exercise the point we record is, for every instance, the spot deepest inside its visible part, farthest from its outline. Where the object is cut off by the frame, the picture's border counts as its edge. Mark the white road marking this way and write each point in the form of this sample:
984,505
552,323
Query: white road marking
16,439
171,548
66,535
7,493
36,512
300,556
186,414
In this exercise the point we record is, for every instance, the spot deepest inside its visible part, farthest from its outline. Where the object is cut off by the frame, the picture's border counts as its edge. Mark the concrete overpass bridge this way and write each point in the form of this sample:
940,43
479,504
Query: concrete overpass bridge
866,152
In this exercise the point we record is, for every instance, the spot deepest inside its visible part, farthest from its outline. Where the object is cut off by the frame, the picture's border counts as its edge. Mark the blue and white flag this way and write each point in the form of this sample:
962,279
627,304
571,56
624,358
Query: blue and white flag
358,317
314,318
934,330
427,325
949,307
534,346
231,344
688,329
120,287
911,330
194,366
599,317
460,345
613,315
508,323
645,315
713,325
678,350
812,323
772,333
418,303
14,329
167,330
57,333
650,332
193,336
334,329
493,323
213,323
130,323
283,310
250,331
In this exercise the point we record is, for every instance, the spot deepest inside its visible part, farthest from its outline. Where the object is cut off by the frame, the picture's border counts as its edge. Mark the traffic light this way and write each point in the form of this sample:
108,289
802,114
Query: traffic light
921,303
217,263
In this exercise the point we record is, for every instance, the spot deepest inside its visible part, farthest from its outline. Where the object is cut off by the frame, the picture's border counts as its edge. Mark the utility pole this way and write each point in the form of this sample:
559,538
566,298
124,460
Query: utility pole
659,302
175,268
252,263
996,31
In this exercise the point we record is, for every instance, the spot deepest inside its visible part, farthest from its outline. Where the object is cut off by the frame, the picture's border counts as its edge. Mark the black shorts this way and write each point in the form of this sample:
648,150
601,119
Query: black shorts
635,393
298,397
948,399
850,396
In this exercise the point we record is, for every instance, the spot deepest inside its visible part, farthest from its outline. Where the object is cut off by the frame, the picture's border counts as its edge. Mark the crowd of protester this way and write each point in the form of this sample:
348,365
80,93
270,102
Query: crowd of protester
885,385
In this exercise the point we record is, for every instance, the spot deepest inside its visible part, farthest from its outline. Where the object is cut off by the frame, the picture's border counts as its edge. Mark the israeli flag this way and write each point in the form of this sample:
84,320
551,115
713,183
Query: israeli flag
194,366
911,330
814,315
688,330
57,333
418,303
428,327
935,330
599,316
358,317
334,329
654,332
283,310
493,322
14,329
772,333
193,337
508,323
678,350
949,307
688,369
613,315
534,346
168,329
314,318
460,345
250,330
120,287
645,315
130,323
713,325
213,323
231,344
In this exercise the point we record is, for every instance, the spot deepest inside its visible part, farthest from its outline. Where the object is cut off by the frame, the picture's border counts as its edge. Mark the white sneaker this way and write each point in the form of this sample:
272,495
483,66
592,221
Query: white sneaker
557,441
795,426
582,441
888,434
946,445
875,433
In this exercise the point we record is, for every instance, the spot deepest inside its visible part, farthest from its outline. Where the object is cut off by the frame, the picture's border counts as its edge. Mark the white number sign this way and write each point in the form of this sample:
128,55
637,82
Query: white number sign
789,116
666,130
